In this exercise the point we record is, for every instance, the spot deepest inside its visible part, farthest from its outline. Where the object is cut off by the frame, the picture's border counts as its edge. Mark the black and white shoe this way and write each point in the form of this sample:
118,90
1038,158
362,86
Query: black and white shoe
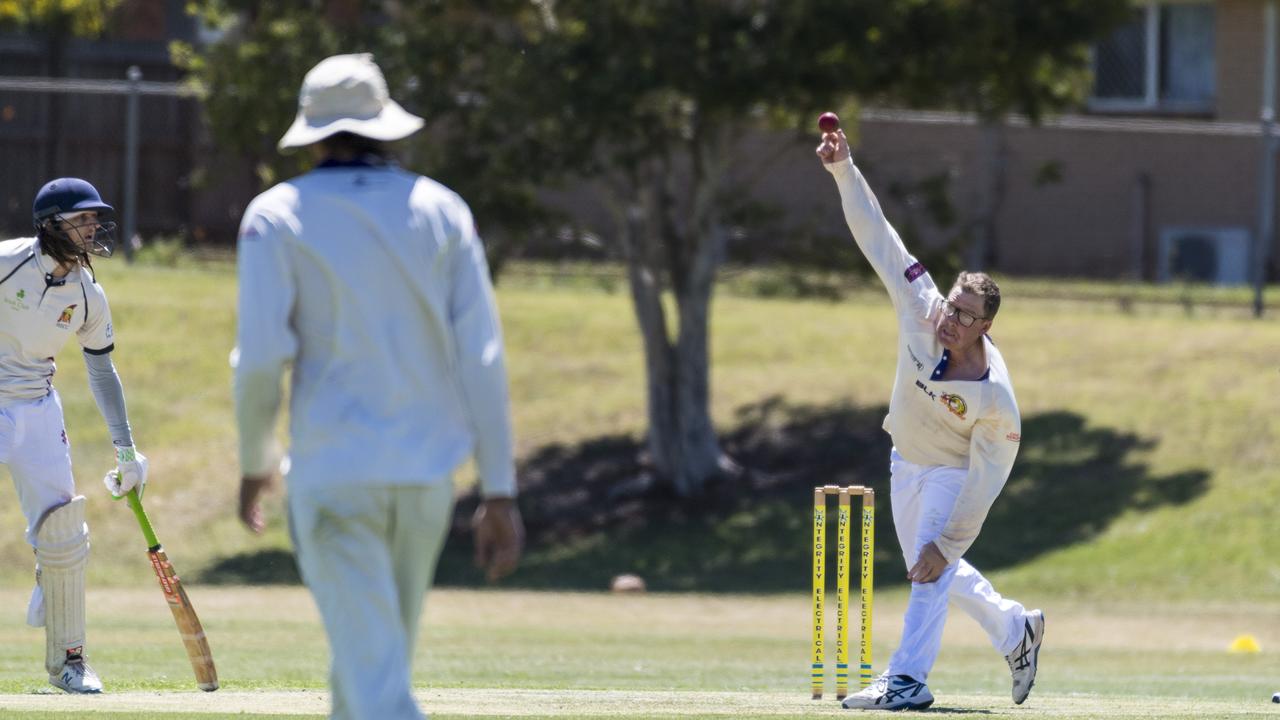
1024,659
891,692
77,677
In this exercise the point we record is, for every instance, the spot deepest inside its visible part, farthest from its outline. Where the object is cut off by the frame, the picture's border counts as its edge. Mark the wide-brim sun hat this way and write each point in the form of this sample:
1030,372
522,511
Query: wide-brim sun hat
347,93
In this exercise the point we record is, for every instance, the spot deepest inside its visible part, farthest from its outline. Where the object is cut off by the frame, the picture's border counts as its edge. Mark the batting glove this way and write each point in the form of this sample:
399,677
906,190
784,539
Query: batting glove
130,472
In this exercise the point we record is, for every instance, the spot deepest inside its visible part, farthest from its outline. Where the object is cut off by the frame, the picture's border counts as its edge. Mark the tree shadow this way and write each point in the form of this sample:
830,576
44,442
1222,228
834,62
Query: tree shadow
264,567
596,510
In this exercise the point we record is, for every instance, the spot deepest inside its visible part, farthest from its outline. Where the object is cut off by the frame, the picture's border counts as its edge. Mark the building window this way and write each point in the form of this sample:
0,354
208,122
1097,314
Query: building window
1161,60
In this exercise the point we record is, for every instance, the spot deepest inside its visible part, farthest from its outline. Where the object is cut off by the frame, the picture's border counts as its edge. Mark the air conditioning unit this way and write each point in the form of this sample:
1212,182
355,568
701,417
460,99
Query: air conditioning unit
1217,255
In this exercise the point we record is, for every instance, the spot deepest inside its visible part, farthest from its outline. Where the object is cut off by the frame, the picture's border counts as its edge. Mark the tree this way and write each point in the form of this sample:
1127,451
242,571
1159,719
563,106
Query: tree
648,100
447,61
651,99
661,91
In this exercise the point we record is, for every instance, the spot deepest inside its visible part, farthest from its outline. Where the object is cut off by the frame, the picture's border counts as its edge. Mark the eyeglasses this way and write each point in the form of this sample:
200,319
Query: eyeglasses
964,317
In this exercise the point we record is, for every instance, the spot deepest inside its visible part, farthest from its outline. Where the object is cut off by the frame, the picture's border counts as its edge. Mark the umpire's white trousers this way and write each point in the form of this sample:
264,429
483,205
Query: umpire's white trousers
923,497
368,554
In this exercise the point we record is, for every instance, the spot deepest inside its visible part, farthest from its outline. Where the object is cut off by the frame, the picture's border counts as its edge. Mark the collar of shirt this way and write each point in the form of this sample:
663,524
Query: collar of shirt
49,280
367,160
946,360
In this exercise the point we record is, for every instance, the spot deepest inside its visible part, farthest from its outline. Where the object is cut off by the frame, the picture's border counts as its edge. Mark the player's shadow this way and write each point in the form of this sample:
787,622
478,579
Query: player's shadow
595,510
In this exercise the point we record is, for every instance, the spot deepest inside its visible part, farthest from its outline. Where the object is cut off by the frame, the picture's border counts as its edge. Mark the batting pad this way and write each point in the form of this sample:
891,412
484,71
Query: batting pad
62,550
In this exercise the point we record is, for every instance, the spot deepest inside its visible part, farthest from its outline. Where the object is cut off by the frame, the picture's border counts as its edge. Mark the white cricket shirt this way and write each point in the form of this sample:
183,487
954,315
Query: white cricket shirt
39,313
971,424
371,282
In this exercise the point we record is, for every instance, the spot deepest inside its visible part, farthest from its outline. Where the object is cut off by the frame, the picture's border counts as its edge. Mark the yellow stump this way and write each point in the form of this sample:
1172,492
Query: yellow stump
868,580
843,571
819,589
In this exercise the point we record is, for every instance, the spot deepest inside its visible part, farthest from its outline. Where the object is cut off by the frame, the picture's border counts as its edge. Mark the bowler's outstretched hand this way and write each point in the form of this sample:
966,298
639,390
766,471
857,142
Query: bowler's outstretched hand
834,147
929,565
499,537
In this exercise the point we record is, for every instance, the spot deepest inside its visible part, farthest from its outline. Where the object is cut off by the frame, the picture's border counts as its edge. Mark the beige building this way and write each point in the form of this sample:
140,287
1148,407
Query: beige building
1157,177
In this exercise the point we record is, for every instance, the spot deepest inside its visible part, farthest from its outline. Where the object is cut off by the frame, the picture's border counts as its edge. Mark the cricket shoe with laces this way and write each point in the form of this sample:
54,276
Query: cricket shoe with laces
77,677
1025,658
891,692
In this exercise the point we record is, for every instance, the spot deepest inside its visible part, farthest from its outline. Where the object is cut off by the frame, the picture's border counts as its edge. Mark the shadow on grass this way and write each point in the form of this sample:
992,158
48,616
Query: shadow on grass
595,510
265,567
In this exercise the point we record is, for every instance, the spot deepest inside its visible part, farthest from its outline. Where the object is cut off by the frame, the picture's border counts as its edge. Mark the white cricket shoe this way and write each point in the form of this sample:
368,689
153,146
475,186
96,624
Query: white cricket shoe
891,692
1024,659
77,677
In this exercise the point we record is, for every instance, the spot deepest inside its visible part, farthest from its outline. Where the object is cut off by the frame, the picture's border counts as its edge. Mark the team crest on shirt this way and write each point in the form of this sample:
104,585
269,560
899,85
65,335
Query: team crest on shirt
16,302
64,320
955,404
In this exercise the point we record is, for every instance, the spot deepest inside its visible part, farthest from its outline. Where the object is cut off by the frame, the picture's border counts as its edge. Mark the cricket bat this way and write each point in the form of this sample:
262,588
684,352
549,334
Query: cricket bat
183,614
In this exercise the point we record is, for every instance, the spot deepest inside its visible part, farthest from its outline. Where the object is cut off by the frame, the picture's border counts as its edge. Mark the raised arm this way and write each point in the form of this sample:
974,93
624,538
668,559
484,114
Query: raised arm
909,285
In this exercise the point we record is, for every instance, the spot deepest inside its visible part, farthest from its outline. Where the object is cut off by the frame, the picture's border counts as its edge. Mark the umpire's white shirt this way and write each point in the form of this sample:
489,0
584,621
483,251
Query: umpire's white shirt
957,423
372,283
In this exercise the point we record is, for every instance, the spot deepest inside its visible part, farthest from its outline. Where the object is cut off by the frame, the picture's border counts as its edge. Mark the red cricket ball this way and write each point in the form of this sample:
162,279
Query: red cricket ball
828,122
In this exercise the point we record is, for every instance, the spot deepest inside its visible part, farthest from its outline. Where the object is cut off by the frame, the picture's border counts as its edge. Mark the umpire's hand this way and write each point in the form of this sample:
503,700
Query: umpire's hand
499,536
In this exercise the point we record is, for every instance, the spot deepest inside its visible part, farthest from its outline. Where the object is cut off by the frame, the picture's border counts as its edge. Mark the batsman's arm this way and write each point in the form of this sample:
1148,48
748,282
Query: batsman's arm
108,393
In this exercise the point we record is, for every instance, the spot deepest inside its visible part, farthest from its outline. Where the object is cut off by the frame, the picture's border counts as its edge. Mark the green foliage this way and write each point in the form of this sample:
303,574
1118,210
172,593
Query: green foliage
79,17
521,93
447,61
651,102
249,81
998,56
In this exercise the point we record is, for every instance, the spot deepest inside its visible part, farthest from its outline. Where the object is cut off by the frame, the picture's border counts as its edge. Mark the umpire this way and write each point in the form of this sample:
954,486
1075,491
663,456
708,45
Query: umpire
370,281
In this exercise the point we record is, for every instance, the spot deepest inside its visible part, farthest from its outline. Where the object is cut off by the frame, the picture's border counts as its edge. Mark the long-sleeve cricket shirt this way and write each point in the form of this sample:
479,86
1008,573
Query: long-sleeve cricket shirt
971,424
372,284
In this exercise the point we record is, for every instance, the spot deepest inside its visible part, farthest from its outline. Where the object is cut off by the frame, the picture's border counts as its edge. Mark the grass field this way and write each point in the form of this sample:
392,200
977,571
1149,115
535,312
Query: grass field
523,654
1147,465
1141,515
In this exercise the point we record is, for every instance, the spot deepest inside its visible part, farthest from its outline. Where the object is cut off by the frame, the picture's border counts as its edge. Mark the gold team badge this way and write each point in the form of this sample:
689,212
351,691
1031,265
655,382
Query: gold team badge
64,320
955,404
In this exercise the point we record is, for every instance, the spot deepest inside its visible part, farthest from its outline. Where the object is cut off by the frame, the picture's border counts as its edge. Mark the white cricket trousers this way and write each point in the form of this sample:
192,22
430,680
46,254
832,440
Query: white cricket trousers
368,554
923,497
33,443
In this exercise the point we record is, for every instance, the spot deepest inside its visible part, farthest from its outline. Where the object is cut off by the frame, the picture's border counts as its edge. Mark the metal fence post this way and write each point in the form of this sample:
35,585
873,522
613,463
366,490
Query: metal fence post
1267,181
131,162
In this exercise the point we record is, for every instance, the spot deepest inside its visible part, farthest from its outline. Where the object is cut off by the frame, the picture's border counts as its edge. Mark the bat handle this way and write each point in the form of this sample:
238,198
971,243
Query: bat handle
135,503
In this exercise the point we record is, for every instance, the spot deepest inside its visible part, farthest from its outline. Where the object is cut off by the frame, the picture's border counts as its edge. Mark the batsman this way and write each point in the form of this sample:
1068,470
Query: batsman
48,293
956,430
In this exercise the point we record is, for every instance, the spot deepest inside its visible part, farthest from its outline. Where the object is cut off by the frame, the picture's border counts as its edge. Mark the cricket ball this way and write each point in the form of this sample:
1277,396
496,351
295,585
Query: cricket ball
828,122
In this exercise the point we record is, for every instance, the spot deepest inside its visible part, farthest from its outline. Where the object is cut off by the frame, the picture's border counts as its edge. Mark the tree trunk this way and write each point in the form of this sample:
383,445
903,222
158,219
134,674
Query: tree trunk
681,438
